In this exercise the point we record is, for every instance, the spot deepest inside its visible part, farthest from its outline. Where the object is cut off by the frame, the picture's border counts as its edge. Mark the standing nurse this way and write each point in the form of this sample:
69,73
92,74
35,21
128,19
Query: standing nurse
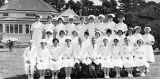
37,29
149,41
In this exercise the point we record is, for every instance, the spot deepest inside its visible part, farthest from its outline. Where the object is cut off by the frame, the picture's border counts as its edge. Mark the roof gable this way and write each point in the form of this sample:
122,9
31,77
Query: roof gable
67,13
28,5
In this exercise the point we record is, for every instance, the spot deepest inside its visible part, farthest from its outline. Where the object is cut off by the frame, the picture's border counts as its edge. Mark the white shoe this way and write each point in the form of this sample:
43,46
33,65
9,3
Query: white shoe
66,78
52,77
69,77
107,77
143,75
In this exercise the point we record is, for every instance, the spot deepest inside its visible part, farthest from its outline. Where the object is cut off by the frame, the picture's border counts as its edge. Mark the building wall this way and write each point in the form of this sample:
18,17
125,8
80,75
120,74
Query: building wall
23,14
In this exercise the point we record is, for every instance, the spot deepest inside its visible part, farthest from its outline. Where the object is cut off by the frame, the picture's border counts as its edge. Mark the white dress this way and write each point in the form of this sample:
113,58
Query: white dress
70,28
91,29
81,28
100,27
137,36
132,39
49,27
68,60
110,25
121,39
121,26
49,41
105,53
74,41
31,56
62,41
43,58
128,52
37,28
86,42
140,52
116,56
55,58
149,54
60,27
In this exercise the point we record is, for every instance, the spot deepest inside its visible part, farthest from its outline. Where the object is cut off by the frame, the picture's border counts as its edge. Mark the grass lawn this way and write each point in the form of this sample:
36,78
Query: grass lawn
12,67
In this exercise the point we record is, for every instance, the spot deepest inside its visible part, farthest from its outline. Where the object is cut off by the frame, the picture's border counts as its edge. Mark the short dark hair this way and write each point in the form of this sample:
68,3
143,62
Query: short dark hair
49,17
86,33
115,40
109,31
120,31
55,39
81,18
62,31
48,32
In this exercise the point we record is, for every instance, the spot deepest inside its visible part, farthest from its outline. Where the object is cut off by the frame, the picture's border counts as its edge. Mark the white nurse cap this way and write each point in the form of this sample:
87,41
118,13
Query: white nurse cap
147,28
43,40
91,16
113,15
102,16
31,41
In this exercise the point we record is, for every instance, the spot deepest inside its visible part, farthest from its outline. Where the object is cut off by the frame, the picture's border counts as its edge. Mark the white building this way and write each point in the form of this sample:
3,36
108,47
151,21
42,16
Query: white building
17,16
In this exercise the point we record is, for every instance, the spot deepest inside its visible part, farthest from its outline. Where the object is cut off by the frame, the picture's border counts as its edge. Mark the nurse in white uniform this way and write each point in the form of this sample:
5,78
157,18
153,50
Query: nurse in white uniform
105,53
81,27
37,30
137,34
60,26
43,55
49,26
55,58
100,26
149,41
99,40
109,35
49,38
29,57
74,38
61,38
140,57
110,24
86,39
127,56
121,25
130,36
70,27
68,61
120,37
116,57
91,26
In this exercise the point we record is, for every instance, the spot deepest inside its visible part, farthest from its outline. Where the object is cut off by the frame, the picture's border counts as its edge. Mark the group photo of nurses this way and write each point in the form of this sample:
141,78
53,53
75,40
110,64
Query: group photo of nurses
88,50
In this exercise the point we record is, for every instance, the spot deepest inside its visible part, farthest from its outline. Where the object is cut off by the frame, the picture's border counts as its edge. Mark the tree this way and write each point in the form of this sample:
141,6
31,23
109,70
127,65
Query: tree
132,5
57,4
2,2
109,6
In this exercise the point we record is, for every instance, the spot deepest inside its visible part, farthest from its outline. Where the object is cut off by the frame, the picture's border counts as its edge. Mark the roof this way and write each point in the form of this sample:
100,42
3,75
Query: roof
28,5
68,13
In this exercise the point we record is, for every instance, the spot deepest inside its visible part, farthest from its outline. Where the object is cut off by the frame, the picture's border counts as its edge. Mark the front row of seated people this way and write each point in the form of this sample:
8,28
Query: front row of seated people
103,55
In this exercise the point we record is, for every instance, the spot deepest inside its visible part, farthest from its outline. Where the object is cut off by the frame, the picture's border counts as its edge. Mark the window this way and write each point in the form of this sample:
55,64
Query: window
14,28
11,28
5,14
7,28
20,29
30,14
28,28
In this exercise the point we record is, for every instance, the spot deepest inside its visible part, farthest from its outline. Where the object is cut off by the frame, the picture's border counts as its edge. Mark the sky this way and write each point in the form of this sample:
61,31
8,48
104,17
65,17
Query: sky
97,2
